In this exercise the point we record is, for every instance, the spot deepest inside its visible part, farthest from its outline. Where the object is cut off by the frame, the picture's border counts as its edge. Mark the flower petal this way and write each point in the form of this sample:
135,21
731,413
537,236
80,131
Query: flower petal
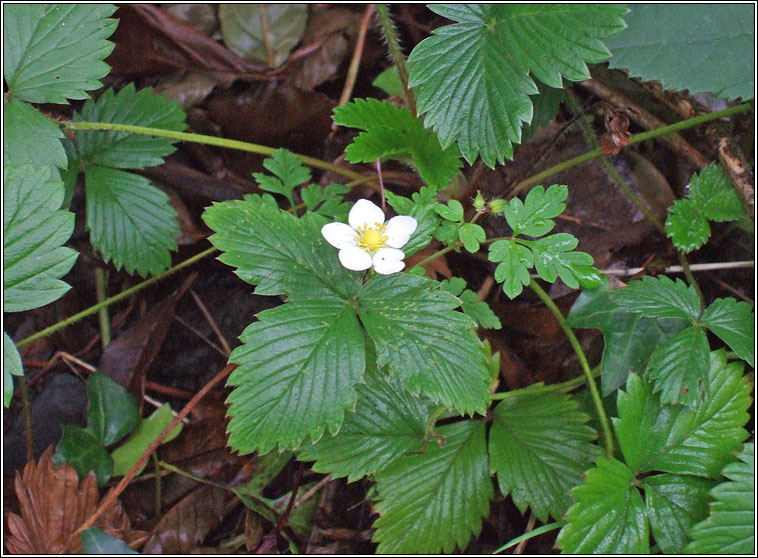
399,230
364,213
388,260
354,258
339,235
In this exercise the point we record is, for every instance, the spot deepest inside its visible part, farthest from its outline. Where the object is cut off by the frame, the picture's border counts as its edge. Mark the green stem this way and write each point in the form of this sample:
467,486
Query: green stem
562,387
102,313
433,257
533,533
397,54
604,423
691,279
107,302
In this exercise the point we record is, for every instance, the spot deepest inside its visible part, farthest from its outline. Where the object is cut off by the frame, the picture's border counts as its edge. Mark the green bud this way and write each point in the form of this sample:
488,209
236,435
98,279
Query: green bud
479,202
497,205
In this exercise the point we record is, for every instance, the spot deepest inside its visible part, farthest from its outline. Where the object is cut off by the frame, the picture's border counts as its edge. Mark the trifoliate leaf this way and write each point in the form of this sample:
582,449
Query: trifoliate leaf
388,422
12,366
471,235
130,221
421,207
289,172
513,269
554,257
34,229
608,516
128,453
679,367
630,338
686,226
472,79
95,541
277,252
711,38
298,366
453,211
714,194
435,500
393,132
81,449
730,528
659,297
424,342
474,308
124,150
30,137
674,503
54,52
112,411
539,447
533,216
683,440
733,322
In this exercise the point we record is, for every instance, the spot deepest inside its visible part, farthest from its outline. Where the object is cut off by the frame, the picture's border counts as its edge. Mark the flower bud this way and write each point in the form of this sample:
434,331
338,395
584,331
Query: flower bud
497,205
479,202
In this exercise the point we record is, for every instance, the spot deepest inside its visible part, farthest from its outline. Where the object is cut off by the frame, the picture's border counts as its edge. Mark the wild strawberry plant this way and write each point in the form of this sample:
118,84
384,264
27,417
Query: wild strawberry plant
371,369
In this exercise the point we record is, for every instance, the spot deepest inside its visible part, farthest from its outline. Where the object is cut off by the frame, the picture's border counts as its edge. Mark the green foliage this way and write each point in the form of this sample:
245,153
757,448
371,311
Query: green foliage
30,137
534,216
712,39
12,366
481,66
421,207
288,172
81,449
711,197
148,429
394,133
95,541
474,308
435,500
733,322
659,297
730,528
112,411
539,447
326,201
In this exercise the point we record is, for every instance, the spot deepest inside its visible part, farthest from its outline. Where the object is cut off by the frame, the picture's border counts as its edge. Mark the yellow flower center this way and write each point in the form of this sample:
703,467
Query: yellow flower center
372,238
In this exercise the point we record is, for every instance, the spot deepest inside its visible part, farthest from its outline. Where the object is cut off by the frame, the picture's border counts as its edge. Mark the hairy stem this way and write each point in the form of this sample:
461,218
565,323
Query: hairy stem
397,54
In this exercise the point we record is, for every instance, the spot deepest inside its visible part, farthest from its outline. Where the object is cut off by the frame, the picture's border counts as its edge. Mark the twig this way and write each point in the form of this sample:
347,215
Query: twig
679,269
199,333
315,488
27,408
529,527
212,322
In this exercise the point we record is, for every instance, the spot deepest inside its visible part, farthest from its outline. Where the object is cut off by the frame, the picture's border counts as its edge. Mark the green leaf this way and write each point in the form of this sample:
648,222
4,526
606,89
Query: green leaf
545,108
124,150
128,453
686,226
712,39
471,235
481,66
608,516
683,440
389,82
435,500
453,211
387,423
130,221
733,322
95,541
659,297
630,338
421,207
474,308
329,201
674,503
31,137
539,447
513,269
54,52
112,411
81,449
279,253
265,32
393,132
289,172
534,215
12,366
424,342
298,366
554,257
714,194
730,528
34,229
679,367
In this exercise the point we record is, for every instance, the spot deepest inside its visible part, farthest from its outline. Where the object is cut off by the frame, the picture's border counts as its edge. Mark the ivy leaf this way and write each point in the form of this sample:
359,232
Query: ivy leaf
388,422
411,322
95,541
683,440
513,269
474,308
12,366
34,229
480,66
112,411
659,297
730,528
471,235
277,252
679,367
435,500
608,516
714,194
533,216
539,447
554,257
674,503
130,221
289,172
686,226
393,132
124,150
733,322
54,52
421,207
31,137
298,366
630,338
81,449
660,36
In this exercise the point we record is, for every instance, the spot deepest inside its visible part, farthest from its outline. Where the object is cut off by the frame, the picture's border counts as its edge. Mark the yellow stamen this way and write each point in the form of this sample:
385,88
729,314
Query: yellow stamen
371,239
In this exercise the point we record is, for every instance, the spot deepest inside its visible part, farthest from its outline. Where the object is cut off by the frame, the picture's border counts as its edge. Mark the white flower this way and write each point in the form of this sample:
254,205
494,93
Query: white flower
368,240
